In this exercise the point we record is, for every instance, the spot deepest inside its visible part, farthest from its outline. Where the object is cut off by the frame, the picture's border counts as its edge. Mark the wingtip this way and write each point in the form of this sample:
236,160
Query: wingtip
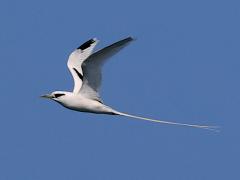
130,38
127,40
95,39
88,43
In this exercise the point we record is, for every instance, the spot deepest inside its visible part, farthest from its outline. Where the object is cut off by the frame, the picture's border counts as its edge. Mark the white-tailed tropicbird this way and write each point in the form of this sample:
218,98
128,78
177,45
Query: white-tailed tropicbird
85,67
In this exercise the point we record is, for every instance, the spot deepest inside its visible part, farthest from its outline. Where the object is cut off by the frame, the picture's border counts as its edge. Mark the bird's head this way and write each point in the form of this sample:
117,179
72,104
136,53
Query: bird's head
56,95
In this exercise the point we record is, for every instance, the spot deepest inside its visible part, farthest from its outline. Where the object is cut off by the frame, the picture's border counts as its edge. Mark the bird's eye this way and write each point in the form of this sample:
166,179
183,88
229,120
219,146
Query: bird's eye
58,95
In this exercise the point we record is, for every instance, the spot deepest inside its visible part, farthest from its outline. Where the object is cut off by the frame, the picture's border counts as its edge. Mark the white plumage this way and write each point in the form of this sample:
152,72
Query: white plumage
85,67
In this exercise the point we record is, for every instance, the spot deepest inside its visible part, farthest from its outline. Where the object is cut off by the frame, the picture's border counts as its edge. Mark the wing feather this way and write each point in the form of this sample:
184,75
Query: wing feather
76,59
92,68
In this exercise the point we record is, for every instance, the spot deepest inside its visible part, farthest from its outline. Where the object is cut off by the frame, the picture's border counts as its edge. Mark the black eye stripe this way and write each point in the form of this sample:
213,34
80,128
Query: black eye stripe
58,95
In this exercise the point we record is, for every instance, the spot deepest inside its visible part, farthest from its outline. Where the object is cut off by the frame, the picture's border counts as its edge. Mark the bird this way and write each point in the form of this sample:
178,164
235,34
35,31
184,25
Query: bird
85,65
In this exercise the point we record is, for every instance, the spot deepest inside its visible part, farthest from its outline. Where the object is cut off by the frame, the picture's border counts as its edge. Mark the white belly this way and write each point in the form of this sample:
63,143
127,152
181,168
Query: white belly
87,105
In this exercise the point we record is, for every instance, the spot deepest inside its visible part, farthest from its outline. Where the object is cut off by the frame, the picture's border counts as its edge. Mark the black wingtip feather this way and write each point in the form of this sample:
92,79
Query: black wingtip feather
86,44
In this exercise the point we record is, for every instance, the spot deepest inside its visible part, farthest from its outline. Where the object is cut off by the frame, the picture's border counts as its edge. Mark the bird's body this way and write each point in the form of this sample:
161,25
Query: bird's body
80,103
85,67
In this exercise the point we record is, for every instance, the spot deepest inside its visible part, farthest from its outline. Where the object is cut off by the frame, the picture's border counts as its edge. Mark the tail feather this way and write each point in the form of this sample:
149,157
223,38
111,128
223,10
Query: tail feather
211,128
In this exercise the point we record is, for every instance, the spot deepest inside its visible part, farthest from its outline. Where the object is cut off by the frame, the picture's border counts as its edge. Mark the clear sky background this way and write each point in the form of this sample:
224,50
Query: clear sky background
184,67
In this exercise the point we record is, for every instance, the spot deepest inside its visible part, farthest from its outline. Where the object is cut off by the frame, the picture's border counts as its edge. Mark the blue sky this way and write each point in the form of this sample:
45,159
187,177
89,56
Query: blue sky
183,67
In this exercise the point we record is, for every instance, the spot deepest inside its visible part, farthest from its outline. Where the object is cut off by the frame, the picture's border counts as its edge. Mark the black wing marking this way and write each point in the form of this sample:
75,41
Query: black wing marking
79,74
86,44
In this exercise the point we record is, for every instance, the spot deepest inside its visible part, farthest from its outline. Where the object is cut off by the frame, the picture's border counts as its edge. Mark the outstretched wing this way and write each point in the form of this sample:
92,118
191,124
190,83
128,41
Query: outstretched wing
92,68
76,59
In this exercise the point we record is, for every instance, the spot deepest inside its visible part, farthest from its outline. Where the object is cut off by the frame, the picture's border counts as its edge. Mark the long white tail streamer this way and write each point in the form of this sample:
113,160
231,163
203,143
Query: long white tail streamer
211,128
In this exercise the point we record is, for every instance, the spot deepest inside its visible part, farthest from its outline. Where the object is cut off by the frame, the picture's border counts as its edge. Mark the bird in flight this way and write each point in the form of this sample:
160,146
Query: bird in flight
85,66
